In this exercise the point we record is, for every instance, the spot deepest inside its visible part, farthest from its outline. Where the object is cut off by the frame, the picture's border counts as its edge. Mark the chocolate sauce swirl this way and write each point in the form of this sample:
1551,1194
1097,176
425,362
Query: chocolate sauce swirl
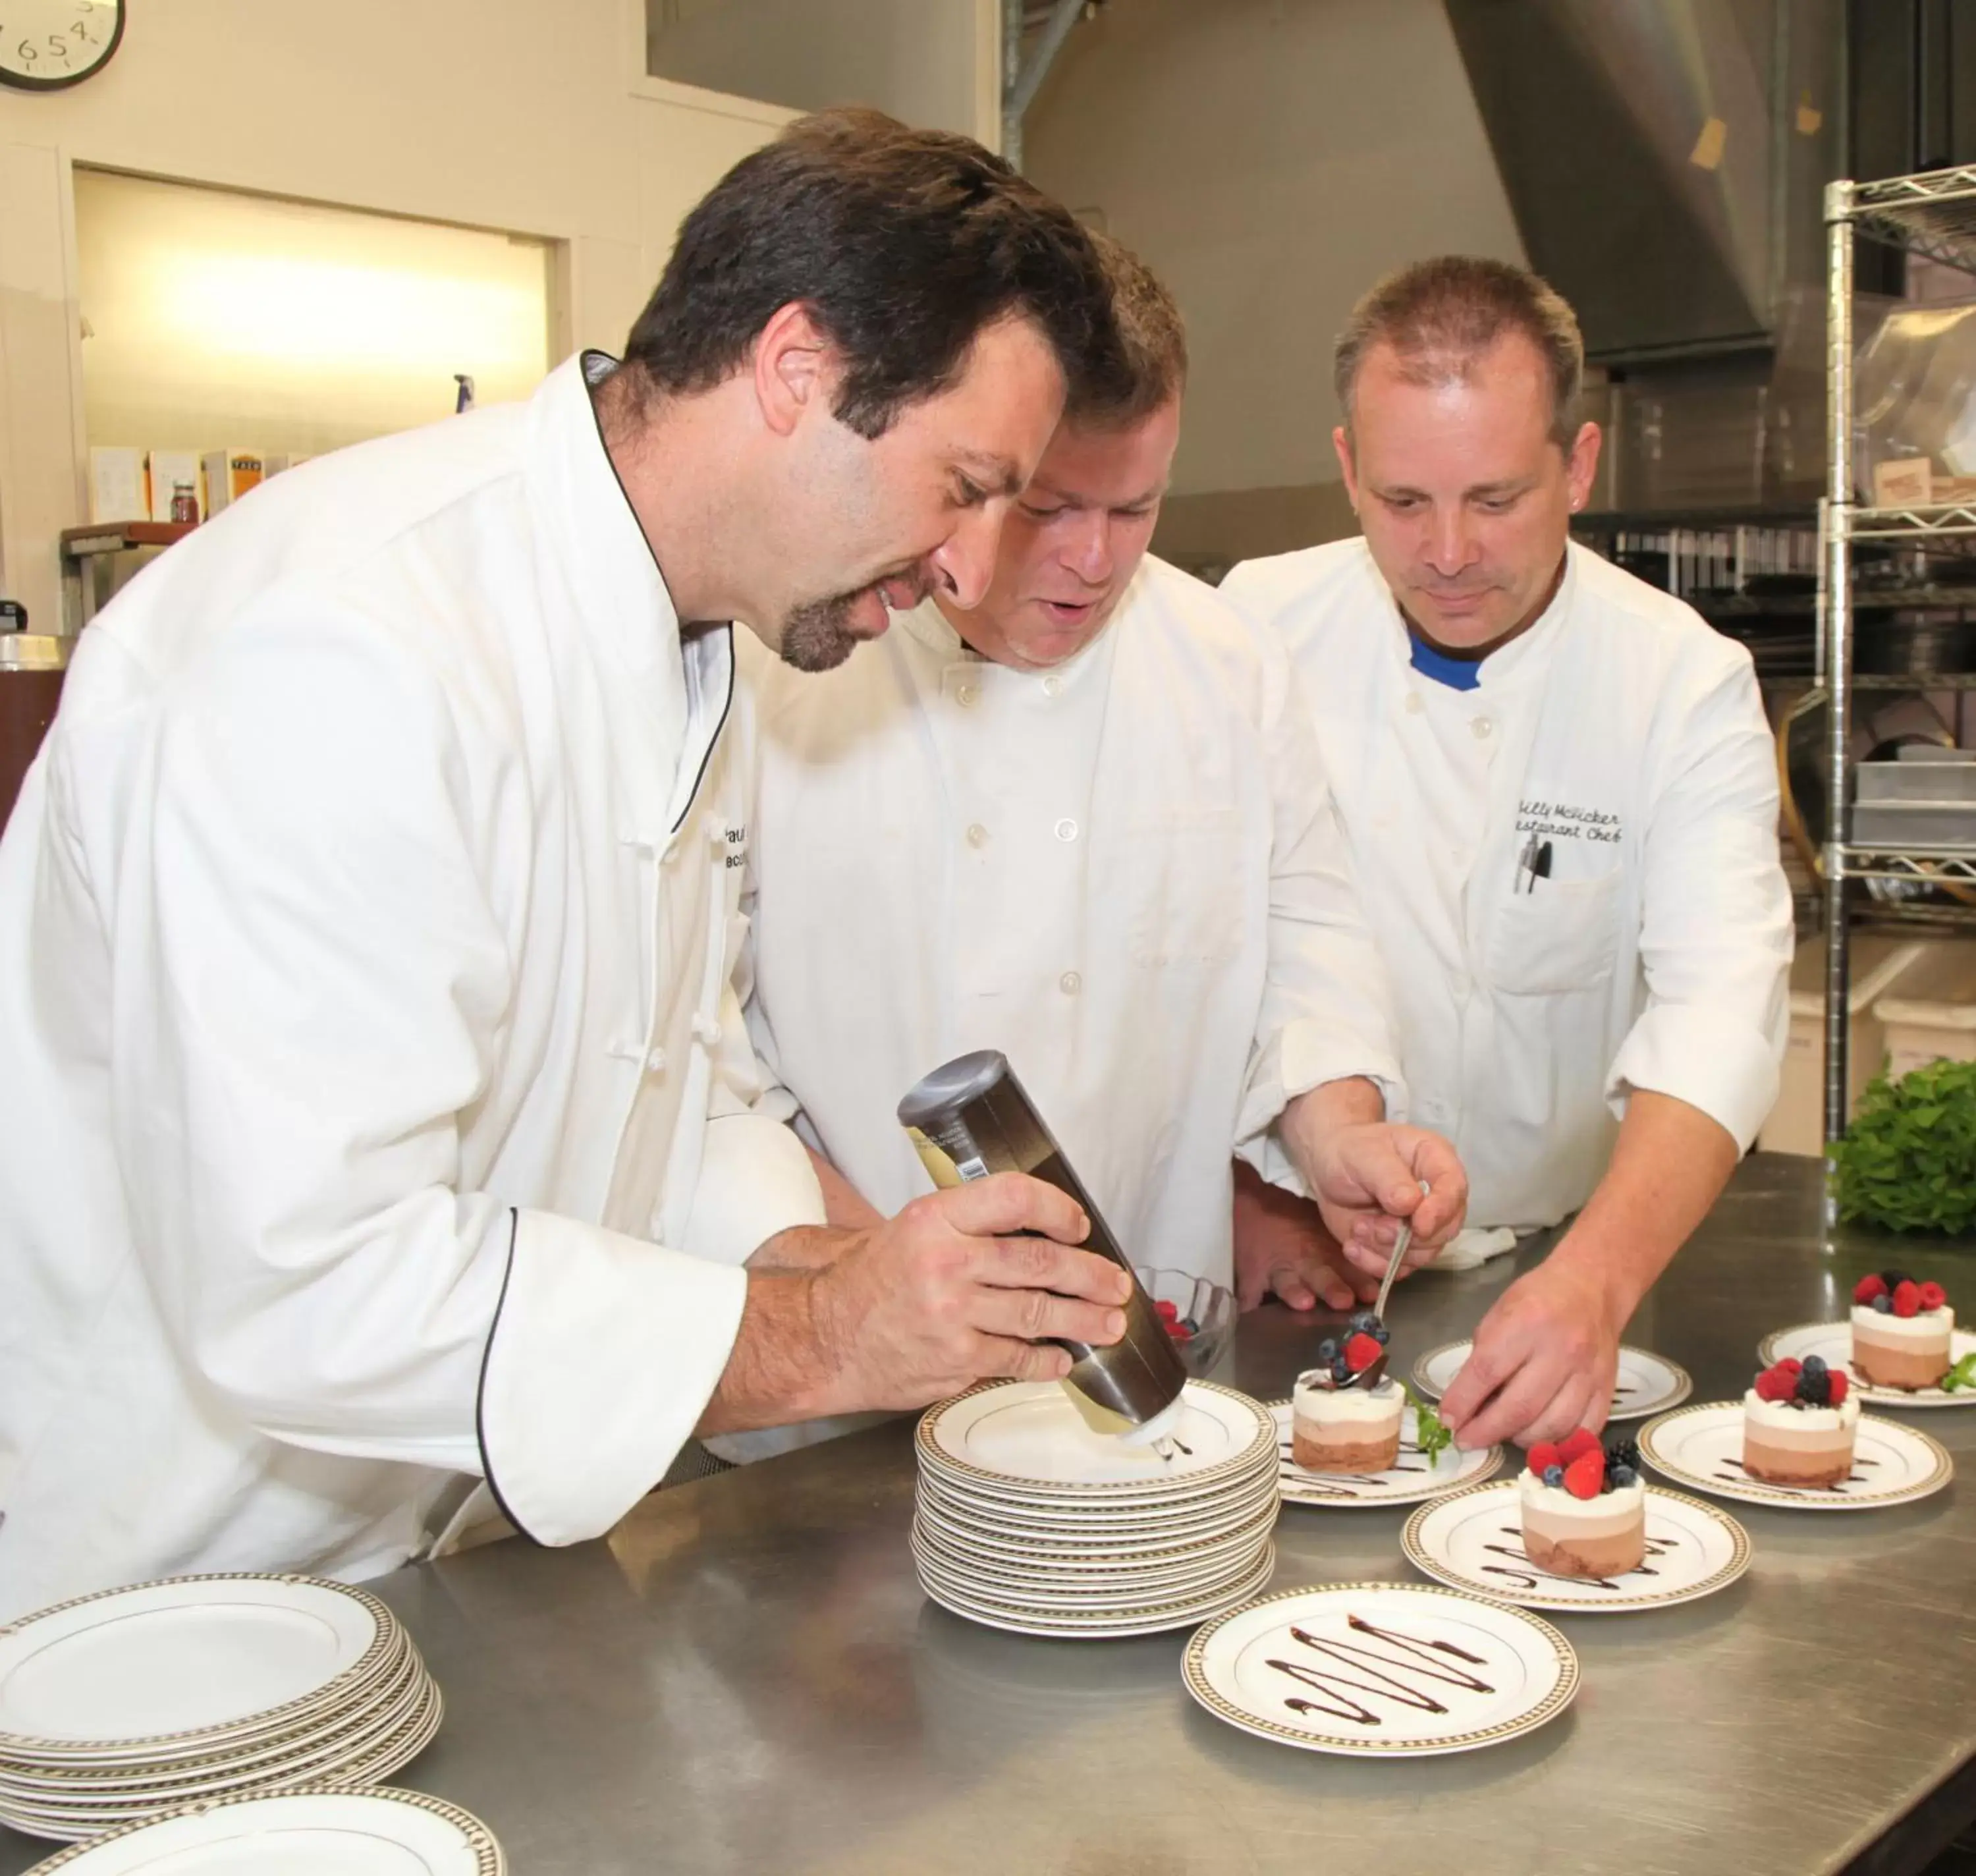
1415,1662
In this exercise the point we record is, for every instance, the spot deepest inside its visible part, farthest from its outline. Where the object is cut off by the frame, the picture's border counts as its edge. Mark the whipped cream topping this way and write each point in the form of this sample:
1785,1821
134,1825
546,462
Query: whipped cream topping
1927,1327
1321,1401
1555,1499
1805,1419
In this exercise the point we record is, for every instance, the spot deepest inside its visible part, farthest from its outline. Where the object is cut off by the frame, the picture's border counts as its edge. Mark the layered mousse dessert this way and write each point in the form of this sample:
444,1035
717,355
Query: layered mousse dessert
1345,1413
1584,1509
1901,1331
1798,1424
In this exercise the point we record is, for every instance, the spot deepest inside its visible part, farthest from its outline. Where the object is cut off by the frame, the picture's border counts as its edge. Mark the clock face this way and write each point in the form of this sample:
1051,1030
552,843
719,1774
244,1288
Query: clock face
45,44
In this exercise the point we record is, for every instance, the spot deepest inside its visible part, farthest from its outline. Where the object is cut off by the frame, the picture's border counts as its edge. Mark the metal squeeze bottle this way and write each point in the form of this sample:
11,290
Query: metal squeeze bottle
971,1118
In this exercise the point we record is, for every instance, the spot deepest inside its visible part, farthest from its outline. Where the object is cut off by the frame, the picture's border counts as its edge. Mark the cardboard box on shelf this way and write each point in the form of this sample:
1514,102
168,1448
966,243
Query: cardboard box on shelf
169,469
116,486
229,474
1931,1013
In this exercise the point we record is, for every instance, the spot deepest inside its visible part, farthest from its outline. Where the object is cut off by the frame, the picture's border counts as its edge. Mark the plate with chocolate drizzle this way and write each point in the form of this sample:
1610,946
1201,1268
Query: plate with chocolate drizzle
1645,1383
1413,1476
1703,1447
1476,1540
1380,1670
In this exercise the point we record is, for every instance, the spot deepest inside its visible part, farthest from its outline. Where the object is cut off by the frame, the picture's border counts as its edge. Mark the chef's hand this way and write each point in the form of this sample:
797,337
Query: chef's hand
1368,1177
940,1296
1543,1362
1281,1248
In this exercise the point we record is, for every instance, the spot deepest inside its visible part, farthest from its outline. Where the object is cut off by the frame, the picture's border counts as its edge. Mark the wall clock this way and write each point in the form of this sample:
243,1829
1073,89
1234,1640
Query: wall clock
45,44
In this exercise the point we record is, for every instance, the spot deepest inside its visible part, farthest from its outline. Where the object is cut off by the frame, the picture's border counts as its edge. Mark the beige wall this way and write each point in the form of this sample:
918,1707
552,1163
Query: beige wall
534,116
1270,158
924,61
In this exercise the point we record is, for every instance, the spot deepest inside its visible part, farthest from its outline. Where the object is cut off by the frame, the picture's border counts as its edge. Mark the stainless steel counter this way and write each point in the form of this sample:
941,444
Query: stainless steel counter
746,1677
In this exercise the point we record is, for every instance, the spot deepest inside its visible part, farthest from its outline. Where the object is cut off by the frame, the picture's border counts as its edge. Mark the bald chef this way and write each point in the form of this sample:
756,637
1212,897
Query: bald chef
1082,822
1560,792
376,1117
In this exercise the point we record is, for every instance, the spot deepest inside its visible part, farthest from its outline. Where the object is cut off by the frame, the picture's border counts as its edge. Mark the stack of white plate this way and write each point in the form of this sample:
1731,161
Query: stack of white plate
1028,1520
118,1707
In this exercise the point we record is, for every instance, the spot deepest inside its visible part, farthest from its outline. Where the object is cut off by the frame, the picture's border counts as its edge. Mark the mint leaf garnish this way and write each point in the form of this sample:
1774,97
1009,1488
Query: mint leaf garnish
1430,1433
1962,1375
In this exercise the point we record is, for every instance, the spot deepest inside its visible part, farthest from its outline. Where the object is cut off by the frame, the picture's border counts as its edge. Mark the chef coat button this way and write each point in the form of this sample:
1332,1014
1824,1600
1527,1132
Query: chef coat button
1052,685
1481,726
655,1061
1066,828
1070,983
965,696
977,835
1415,706
707,1030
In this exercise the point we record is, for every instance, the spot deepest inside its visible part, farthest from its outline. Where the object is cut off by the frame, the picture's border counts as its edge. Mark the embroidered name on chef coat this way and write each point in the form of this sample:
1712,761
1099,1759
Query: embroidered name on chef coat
737,846
1564,820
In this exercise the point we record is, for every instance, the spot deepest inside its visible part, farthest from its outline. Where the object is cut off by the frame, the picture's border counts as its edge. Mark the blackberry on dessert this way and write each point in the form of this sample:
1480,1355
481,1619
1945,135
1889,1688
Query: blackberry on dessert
1584,1507
1902,1331
1800,1421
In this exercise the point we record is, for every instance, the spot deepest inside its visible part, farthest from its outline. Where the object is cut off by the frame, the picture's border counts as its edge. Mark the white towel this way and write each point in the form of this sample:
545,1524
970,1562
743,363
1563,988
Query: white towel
1474,1244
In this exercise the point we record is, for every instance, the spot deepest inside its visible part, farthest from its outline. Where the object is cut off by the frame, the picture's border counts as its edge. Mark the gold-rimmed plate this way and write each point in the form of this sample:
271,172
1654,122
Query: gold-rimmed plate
1701,1447
1411,1478
1644,1384
1380,1670
1474,1541
1832,1343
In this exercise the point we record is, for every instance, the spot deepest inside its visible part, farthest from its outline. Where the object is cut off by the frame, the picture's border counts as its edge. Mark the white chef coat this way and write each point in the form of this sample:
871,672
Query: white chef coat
1629,736
366,928
1124,873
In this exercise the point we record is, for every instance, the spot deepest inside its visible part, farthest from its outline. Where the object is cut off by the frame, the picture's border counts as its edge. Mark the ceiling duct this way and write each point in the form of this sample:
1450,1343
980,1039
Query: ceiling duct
1663,158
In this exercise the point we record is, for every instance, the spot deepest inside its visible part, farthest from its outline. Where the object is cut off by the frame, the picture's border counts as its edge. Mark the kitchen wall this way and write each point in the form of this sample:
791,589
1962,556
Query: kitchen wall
531,116
1271,158
932,62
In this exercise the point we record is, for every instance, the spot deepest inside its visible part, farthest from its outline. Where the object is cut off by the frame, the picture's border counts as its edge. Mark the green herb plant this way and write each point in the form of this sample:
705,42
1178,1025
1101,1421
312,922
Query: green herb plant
1908,1162
1430,1433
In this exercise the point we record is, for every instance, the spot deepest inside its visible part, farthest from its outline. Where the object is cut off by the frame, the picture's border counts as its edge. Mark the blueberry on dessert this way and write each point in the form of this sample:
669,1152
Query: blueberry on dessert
1345,1413
1901,1331
1799,1422
1585,1507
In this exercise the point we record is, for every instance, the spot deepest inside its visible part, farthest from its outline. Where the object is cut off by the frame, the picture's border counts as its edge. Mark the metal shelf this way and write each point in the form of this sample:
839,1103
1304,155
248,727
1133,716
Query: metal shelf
1933,866
1933,214
82,553
1905,524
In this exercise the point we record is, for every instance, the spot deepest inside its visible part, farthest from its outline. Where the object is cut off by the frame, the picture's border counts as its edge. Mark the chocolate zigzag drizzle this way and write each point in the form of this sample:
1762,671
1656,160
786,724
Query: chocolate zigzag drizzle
1415,1661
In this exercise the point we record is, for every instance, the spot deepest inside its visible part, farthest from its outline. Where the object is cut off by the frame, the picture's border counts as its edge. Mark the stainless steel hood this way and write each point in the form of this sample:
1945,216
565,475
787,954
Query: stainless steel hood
1663,158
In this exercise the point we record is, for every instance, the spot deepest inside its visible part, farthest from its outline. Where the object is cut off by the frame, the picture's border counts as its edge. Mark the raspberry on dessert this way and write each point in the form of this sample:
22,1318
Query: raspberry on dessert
1577,1445
1836,1383
1868,1287
1907,1298
1791,1365
1933,1296
1585,1474
1361,1351
1775,1384
1543,1455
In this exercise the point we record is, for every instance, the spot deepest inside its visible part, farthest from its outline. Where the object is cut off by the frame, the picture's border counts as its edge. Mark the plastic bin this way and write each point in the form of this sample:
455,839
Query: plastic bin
1931,1012
1796,1124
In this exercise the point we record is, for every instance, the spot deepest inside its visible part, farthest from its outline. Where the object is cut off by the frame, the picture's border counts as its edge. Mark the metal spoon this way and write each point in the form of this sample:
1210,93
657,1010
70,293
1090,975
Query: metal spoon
1400,1244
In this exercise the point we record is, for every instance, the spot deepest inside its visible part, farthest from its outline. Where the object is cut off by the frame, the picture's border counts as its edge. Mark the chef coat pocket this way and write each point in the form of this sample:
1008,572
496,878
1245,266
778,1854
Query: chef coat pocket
1183,881
1561,936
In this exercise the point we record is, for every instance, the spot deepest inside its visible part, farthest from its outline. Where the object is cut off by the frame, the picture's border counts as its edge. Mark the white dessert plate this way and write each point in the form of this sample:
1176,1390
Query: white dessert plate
1645,1383
187,1664
1380,1670
1029,1435
1101,1624
1474,1541
1158,1553
364,1766
1832,1343
1077,1599
307,1833
1249,1487
1410,1480
1702,1446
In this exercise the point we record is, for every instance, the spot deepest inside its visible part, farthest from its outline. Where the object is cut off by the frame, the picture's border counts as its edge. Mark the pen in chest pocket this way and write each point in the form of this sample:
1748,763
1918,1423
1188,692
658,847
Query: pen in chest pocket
1533,864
